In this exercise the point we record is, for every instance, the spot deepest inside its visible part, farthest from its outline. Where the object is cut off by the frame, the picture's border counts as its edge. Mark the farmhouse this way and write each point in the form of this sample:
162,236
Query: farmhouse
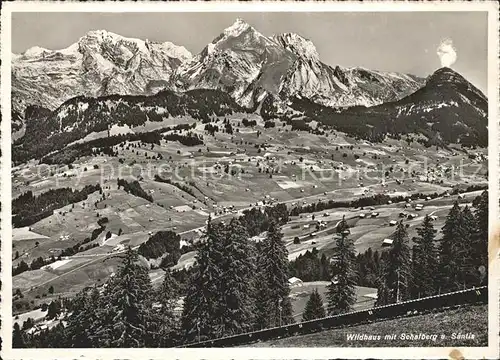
387,242
295,282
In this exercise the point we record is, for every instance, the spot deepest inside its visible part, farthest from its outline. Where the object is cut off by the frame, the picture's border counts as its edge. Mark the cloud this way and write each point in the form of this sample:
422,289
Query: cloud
447,53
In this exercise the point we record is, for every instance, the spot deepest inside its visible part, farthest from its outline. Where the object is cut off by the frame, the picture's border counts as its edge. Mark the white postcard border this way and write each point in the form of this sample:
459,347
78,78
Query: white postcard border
492,351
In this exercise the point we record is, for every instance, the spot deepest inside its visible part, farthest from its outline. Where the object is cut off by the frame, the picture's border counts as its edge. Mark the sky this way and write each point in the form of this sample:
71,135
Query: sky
388,41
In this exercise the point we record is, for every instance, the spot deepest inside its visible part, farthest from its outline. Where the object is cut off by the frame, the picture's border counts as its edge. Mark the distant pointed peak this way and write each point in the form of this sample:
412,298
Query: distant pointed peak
236,28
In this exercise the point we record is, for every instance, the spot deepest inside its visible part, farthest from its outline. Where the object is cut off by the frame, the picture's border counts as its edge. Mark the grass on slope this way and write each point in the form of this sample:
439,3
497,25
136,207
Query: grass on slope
464,320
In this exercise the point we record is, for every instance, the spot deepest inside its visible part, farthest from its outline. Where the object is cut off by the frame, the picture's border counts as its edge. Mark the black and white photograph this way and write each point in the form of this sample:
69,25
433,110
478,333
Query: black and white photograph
250,179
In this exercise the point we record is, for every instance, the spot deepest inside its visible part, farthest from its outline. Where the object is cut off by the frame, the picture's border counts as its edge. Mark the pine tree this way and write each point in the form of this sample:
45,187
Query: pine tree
397,268
314,308
342,226
54,309
424,265
449,262
167,298
480,240
17,337
469,273
83,321
341,293
262,307
235,291
127,319
274,306
200,309
382,293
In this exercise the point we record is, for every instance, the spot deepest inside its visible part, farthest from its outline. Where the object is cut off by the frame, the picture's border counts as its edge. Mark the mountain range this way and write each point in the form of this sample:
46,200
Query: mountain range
71,92
240,61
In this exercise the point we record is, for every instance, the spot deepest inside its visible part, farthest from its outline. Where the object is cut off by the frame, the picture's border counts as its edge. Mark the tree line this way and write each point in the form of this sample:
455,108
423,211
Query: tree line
43,137
238,285
457,261
98,146
134,188
28,209
377,199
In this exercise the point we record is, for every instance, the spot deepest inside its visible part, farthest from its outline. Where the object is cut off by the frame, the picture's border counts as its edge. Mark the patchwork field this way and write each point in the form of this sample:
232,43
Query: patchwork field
229,173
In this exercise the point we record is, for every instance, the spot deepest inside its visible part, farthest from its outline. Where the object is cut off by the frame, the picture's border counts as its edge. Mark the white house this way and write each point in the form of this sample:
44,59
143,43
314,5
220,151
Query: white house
295,282
387,242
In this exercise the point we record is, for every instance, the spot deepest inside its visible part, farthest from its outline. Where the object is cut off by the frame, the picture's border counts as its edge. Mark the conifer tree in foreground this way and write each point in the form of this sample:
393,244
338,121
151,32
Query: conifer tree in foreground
449,251
273,304
397,268
480,240
424,265
201,313
468,269
341,293
126,319
235,293
342,226
84,319
17,337
314,308
167,296
261,298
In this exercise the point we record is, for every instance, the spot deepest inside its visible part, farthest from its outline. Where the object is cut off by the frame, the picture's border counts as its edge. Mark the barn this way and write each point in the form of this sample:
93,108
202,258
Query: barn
387,242
295,282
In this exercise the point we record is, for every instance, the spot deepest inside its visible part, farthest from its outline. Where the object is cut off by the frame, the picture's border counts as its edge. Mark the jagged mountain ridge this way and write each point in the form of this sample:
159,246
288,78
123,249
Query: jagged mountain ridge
250,66
273,75
447,109
100,63
240,61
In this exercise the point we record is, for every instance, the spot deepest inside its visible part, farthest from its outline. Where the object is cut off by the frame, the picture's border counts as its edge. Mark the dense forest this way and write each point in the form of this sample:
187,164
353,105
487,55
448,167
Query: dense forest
105,145
134,188
237,285
394,119
377,199
162,243
28,209
45,136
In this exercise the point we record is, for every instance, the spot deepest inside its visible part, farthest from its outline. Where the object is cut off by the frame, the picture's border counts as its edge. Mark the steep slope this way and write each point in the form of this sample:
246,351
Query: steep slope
100,63
251,66
81,116
339,87
240,61
447,109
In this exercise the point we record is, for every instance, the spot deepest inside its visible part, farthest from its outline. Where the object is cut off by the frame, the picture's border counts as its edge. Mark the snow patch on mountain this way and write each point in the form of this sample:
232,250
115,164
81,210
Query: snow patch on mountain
100,63
237,28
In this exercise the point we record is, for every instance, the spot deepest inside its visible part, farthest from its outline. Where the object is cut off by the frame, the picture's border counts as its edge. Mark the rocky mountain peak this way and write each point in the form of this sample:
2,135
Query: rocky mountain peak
297,44
446,75
236,28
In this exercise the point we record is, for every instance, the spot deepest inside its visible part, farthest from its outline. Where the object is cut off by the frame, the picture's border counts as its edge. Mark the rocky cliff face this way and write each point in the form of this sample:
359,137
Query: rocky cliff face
100,63
251,66
240,61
